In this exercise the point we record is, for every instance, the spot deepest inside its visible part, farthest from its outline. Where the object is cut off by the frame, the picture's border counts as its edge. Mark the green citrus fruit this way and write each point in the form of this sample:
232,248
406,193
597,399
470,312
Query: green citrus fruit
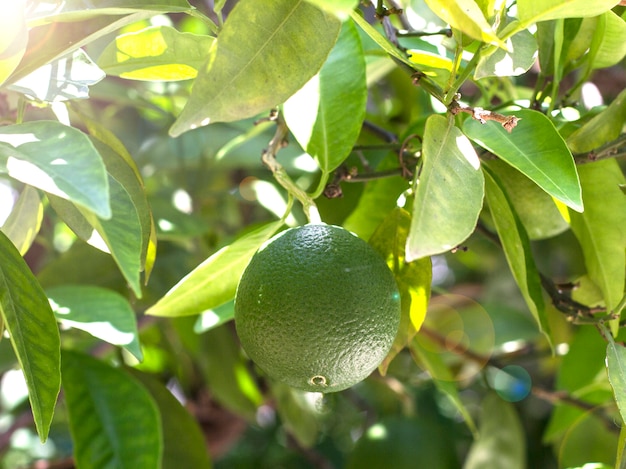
317,308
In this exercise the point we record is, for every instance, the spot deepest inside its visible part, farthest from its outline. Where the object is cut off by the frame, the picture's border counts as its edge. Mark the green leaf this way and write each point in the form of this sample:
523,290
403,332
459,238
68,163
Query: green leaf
432,65
578,35
24,222
126,234
74,10
546,44
214,317
298,413
612,48
226,373
26,315
466,16
379,197
577,448
600,228
113,420
121,235
584,362
579,369
137,222
616,369
565,417
516,247
602,128
327,113
620,462
379,39
215,280
423,351
532,11
340,8
502,440
449,193
120,167
103,313
190,451
519,56
62,41
57,159
68,77
83,265
157,53
535,148
255,72
536,209
413,278
75,220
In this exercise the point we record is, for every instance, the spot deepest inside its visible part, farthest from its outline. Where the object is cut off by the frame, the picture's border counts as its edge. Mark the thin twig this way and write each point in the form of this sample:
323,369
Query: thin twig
268,157
383,12
575,312
364,177
380,146
407,172
345,174
613,149
553,397
484,115
397,8
408,33
383,134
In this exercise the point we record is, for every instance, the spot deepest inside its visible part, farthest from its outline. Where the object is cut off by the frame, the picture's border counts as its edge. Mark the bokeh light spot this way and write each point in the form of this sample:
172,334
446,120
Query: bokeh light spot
512,383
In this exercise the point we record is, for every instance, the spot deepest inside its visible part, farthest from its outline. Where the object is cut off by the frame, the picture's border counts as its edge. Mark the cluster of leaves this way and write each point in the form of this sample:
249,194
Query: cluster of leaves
472,170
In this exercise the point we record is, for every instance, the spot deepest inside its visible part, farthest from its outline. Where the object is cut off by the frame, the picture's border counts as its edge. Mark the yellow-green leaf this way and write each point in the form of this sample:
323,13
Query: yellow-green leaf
326,114
601,228
601,129
532,11
466,16
26,315
256,71
157,53
215,280
449,195
413,278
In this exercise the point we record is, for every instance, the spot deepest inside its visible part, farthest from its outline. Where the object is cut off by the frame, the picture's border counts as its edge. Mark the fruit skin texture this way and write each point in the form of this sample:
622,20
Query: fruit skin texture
317,308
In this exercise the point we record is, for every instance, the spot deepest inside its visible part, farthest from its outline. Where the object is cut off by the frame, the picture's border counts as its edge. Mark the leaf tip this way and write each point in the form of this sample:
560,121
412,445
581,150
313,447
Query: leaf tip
104,211
183,125
576,205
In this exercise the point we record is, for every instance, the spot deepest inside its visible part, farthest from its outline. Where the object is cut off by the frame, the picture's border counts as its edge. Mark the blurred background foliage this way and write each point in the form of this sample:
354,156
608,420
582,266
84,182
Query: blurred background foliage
480,388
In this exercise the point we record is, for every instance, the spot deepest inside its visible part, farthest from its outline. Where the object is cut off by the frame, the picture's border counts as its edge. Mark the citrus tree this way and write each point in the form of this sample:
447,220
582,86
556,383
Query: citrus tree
150,149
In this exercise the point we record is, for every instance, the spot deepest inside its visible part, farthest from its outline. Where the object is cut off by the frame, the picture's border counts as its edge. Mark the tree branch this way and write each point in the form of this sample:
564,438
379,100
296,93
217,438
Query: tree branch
483,115
343,174
553,397
268,157
409,33
613,149
576,312
378,131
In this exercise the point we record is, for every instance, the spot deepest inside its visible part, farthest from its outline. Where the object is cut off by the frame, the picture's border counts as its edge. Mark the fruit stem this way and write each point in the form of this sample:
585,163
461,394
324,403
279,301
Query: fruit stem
321,185
269,159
